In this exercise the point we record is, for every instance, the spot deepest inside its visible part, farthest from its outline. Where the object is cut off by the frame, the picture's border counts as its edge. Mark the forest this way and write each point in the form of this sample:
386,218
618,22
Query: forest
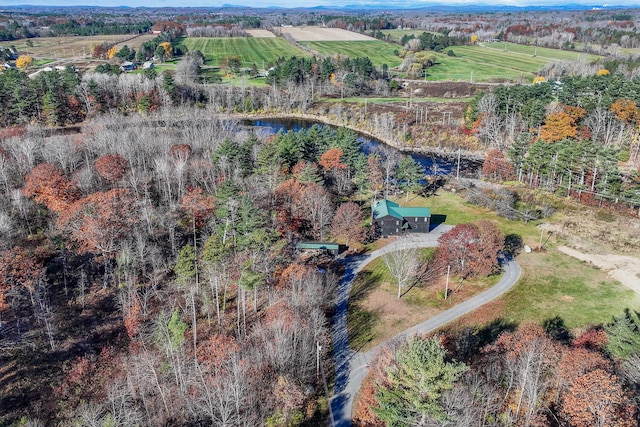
148,265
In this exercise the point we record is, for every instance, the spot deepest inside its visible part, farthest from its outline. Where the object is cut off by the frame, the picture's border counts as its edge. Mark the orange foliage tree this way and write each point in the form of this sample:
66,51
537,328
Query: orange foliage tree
99,222
626,110
48,185
558,126
331,160
597,399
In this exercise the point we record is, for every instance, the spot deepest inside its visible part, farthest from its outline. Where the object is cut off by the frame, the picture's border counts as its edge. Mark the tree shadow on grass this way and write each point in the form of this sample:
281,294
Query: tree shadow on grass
361,322
470,340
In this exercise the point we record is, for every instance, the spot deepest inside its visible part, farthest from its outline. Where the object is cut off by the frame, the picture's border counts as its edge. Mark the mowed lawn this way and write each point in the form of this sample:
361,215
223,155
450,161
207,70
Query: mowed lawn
378,51
250,50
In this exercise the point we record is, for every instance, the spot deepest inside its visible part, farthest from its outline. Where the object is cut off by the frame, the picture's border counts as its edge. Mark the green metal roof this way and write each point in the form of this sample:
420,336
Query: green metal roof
382,208
317,245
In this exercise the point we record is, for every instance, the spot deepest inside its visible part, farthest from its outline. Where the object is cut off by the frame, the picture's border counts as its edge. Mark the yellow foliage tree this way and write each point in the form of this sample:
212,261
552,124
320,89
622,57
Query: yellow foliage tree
539,79
603,72
168,49
474,39
112,52
24,61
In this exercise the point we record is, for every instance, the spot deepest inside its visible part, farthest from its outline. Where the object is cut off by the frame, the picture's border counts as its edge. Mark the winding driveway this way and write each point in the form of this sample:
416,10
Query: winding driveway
351,366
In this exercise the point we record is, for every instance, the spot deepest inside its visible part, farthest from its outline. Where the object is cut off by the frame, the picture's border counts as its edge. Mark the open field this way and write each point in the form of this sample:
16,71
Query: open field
378,51
79,47
553,284
260,33
461,68
322,34
539,52
251,50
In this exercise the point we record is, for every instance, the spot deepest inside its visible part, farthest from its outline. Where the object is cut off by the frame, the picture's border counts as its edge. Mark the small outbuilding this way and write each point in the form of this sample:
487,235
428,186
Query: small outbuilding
333,248
389,219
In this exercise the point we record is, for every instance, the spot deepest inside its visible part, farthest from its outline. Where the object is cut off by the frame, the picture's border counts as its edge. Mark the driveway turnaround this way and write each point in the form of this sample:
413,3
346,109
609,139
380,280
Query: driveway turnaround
351,366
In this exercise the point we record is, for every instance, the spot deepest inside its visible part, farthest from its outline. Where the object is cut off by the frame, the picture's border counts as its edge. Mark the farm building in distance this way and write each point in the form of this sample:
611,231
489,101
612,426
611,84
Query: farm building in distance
389,219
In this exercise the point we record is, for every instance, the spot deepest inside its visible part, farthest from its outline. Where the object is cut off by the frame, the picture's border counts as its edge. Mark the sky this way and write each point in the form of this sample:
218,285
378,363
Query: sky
300,3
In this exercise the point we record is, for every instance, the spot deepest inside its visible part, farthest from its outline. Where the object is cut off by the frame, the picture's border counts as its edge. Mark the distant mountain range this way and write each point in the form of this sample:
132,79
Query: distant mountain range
373,5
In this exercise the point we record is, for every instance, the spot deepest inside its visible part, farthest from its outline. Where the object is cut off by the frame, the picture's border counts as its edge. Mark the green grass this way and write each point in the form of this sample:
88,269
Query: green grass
378,51
540,52
555,284
490,62
251,50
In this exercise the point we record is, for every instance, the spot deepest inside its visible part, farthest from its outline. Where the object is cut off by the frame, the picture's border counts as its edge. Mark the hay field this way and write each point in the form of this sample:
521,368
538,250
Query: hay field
250,50
76,46
319,34
260,33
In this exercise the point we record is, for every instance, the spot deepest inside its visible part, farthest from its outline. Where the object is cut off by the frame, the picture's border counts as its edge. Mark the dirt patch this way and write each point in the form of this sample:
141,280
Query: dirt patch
265,34
322,34
624,268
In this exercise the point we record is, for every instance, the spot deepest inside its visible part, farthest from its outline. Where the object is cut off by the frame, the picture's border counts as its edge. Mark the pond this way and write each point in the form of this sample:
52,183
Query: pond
433,164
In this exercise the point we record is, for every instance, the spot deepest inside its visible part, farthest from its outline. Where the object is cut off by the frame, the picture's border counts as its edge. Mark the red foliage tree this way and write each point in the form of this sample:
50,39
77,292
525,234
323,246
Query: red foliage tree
592,339
471,249
111,167
347,224
497,166
48,185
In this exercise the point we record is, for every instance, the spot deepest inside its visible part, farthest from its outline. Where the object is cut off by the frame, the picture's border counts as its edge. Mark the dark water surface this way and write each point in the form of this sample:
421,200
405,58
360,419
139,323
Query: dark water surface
433,164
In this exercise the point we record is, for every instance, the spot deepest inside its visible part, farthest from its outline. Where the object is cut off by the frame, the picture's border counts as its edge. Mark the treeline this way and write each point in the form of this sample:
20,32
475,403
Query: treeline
352,76
96,27
430,41
503,375
570,135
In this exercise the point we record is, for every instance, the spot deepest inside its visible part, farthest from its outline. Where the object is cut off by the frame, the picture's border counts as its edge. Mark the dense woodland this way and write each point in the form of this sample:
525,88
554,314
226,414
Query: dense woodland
147,266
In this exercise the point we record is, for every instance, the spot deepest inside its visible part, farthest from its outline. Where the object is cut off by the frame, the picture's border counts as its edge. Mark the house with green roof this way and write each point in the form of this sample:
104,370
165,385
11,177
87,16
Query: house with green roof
390,219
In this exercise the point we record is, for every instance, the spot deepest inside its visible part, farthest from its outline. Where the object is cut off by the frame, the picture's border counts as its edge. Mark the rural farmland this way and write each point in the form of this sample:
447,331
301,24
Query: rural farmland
378,51
251,50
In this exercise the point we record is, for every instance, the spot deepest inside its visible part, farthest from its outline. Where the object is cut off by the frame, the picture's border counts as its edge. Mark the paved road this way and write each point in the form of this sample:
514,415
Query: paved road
350,365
